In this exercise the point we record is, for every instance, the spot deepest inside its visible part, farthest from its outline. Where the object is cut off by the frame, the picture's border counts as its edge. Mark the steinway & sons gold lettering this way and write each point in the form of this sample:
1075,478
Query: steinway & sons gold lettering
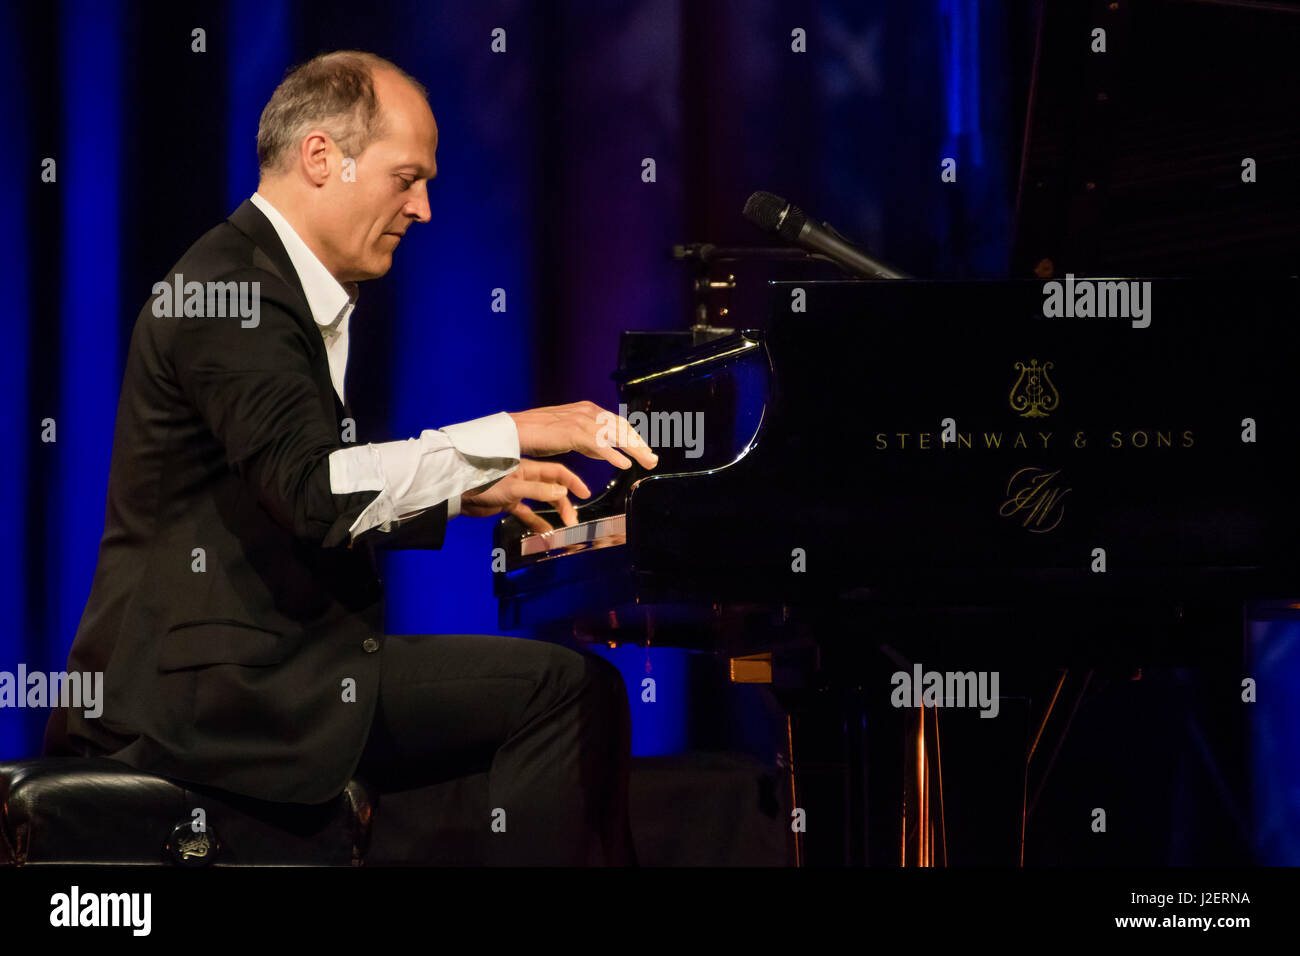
997,440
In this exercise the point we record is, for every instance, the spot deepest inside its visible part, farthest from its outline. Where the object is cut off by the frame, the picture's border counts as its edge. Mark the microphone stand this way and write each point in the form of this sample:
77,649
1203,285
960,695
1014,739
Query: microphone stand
705,254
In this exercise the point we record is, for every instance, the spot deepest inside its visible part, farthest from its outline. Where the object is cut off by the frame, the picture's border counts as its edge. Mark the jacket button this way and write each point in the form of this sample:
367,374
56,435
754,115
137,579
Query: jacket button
370,645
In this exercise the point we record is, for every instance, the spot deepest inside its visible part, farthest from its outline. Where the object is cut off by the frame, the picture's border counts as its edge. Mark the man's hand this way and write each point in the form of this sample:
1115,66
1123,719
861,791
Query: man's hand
540,481
584,427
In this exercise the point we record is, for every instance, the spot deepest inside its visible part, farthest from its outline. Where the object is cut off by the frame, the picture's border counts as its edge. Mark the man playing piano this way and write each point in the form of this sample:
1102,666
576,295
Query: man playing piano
236,611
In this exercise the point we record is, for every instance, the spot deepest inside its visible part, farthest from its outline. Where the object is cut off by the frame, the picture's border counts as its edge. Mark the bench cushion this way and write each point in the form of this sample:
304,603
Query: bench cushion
97,810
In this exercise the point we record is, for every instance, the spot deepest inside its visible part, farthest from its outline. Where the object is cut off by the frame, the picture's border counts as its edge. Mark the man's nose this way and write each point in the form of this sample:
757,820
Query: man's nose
419,205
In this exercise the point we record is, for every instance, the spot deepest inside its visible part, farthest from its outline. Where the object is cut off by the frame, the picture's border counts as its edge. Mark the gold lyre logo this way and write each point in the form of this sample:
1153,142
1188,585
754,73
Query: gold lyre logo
1032,497
1034,395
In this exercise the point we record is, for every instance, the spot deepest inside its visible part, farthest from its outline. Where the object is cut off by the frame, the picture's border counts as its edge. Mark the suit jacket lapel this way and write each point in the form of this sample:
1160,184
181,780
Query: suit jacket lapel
249,220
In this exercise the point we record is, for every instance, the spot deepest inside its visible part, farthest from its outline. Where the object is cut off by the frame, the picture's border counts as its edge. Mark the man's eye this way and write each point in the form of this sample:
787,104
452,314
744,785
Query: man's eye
406,183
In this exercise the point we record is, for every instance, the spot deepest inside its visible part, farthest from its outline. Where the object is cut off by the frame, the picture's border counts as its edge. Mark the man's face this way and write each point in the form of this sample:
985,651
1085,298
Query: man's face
359,223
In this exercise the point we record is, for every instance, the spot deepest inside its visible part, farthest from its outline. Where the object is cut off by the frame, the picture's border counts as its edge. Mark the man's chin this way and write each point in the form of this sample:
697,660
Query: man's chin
373,270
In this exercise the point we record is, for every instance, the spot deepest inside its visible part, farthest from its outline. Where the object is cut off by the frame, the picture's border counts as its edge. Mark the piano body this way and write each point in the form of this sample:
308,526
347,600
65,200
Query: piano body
903,471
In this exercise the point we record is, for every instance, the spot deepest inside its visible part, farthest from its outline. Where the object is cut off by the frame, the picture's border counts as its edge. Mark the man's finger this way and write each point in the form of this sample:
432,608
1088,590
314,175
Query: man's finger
636,445
554,471
613,430
568,513
538,490
594,445
530,518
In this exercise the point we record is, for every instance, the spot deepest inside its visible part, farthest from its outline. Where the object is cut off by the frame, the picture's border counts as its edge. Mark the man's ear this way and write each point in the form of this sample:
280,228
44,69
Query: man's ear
314,156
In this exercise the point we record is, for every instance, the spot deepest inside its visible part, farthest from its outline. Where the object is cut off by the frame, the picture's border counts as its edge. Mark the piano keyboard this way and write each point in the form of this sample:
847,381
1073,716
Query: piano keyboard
598,533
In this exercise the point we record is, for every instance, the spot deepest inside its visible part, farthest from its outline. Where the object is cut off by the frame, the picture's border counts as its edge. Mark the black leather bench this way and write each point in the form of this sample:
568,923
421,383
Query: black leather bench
96,810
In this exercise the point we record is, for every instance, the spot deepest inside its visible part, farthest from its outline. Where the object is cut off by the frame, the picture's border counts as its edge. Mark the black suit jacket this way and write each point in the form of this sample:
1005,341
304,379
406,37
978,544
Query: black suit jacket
234,676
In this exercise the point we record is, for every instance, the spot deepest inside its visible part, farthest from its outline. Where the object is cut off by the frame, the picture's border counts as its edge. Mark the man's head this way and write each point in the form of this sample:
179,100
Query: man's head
346,147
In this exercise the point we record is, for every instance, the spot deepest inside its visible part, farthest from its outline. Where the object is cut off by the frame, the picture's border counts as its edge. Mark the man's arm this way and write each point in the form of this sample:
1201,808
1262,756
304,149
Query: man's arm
254,389
419,473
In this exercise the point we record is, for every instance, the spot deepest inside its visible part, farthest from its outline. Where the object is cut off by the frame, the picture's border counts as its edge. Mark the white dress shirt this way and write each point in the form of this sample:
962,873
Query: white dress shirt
409,475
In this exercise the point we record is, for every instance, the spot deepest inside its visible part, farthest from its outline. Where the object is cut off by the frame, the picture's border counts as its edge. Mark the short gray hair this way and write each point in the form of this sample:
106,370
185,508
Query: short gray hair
334,92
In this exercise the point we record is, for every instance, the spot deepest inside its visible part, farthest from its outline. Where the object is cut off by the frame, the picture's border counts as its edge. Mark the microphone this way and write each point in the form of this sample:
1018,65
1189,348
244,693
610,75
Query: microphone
773,214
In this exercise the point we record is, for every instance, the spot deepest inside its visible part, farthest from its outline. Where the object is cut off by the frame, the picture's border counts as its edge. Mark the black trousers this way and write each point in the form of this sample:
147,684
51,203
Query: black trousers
550,727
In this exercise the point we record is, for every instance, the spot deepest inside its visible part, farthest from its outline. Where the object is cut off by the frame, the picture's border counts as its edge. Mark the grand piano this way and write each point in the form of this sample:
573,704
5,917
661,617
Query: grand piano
957,473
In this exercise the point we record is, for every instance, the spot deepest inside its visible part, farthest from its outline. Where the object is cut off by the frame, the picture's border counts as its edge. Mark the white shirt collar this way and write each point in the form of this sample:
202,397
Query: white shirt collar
331,302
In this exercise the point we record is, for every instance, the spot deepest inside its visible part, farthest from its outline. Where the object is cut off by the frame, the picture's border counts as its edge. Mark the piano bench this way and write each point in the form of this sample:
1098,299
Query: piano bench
95,810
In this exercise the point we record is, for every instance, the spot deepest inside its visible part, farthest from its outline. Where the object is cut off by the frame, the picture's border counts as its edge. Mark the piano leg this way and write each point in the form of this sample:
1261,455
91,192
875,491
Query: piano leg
847,787
870,777
1062,706
794,790
827,781
924,841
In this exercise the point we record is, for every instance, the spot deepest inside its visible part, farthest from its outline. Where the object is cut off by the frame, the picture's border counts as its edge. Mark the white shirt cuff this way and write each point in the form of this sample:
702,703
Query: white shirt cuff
418,473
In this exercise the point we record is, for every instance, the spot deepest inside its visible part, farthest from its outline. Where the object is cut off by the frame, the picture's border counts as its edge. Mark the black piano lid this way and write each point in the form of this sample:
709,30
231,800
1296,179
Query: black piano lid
870,367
